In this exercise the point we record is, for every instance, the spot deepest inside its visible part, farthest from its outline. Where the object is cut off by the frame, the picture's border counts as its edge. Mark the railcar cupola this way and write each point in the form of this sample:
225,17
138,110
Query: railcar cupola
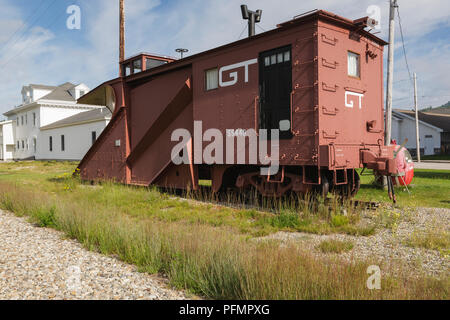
143,62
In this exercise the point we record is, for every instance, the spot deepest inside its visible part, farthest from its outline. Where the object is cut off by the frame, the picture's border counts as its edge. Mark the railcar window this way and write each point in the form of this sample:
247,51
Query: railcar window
153,63
280,58
273,59
287,56
354,65
211,79
127,70
137,66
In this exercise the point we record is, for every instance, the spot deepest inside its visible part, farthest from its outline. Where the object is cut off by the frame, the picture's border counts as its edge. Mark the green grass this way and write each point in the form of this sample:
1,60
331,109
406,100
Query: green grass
436,157
429,188
335,246
214,262
434,239
150,203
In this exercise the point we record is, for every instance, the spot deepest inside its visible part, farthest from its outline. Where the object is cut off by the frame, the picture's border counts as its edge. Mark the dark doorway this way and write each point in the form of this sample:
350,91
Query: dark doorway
275,87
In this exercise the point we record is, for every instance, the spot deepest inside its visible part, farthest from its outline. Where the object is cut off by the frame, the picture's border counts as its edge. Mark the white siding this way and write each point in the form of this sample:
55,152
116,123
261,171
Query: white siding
50,115
39,93
406,129
78,140
25,133
6,141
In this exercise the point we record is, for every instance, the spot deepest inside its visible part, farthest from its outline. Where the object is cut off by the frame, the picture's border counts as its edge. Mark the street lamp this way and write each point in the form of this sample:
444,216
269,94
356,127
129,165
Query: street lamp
181,51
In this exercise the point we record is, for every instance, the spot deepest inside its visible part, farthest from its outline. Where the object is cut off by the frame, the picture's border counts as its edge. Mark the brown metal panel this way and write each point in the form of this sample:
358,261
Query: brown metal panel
157,156
348,104
149,99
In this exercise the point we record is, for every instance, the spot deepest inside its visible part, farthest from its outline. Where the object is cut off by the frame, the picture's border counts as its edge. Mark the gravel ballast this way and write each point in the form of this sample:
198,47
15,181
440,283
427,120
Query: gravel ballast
40,264
387,245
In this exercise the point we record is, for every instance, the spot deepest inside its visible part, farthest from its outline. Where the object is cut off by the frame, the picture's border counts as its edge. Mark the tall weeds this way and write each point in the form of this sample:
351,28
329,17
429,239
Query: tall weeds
213,262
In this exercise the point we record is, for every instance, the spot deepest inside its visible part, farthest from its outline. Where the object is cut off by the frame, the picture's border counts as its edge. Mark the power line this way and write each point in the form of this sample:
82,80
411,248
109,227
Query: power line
403,42
245,28
33,24
33,42
264,30
23,25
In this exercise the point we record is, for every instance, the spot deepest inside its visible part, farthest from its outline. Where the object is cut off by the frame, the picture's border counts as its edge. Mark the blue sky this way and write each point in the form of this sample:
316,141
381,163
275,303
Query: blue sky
36,46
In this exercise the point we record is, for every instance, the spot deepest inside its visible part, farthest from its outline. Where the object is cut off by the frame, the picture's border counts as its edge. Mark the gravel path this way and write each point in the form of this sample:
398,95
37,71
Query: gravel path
38,263
388,245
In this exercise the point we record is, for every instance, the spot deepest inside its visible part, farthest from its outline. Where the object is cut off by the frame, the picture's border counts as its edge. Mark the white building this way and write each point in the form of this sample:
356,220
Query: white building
44,106
72,137
404,127
6,141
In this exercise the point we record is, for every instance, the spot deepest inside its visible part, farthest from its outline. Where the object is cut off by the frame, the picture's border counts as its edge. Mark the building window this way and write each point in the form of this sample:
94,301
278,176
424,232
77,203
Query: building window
18,121
18,145
34,119
26,118
23,145
82,93
94,136
50,142
34,145
21,120
212,79
63,144
354,65
428,136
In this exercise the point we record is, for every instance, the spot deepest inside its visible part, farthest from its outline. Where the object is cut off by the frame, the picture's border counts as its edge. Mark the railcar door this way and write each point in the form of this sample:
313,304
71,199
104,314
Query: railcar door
275,86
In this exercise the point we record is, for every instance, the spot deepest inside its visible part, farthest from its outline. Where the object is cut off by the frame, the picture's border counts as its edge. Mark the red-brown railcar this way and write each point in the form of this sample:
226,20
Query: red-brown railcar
318,78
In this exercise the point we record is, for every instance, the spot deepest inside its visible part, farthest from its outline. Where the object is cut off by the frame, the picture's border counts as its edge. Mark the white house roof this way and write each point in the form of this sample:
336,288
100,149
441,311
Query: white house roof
402,114
60,96
61,93
42,86
80,118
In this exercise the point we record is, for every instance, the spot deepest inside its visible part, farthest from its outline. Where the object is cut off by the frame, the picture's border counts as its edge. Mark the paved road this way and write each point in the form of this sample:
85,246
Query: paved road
37,263
433,165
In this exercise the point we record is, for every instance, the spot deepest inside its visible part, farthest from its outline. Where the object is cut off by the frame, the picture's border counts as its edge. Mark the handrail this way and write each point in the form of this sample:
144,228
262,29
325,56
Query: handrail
256,115
292,112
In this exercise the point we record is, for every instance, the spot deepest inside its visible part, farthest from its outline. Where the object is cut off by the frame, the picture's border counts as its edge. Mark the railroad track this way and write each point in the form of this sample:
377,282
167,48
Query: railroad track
245,201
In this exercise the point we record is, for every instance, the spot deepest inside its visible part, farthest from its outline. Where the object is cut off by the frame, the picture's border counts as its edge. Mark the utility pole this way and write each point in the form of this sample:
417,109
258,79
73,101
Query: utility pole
390,82
390,73
416,107
121,33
